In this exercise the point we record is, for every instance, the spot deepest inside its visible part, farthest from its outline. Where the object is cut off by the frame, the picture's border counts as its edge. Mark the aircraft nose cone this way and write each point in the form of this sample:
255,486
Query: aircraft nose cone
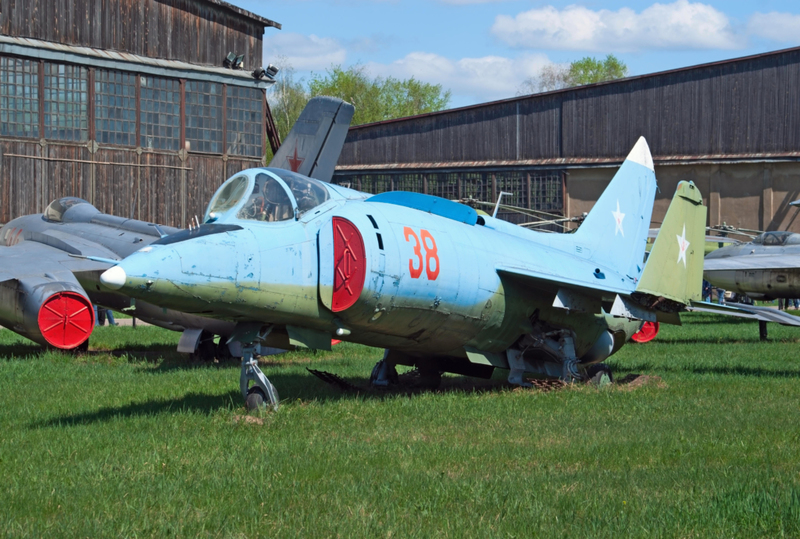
114,278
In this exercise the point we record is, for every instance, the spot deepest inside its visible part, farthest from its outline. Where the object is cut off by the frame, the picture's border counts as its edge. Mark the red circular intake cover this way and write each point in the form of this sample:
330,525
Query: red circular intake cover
349,264
647,333
66,319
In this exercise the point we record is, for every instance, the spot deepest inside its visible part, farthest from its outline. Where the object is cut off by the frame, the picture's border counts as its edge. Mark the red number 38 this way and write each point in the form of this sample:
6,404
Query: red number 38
431,260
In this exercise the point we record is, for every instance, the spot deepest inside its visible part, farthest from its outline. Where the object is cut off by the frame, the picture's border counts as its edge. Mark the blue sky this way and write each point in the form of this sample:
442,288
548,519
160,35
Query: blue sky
483,50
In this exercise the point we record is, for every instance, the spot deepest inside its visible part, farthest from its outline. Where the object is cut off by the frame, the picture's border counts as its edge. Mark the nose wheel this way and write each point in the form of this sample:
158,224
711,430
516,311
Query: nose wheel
262,394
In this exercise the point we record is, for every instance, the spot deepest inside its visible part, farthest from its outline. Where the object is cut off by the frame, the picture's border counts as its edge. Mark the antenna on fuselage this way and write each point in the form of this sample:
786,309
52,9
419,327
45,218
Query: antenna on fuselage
497,205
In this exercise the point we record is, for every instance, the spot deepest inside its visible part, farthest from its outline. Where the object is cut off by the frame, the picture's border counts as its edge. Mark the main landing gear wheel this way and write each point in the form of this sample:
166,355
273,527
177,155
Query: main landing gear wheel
258,399
600,375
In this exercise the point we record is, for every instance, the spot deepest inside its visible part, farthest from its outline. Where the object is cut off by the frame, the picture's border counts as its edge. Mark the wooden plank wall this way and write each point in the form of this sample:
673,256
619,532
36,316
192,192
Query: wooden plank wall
188,30
161,191
740,107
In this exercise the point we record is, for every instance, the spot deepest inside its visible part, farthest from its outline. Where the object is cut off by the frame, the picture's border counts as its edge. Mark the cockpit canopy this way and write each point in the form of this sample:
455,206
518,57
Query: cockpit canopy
56,210
777,238
267,195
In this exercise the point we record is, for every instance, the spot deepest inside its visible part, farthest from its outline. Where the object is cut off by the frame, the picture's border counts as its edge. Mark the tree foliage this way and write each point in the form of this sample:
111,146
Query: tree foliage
587,70
378,98
287,98
375,99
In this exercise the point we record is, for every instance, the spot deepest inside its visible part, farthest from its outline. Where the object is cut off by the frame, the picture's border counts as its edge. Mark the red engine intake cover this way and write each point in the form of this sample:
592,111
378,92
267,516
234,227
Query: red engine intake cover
349,264
66,319
647,333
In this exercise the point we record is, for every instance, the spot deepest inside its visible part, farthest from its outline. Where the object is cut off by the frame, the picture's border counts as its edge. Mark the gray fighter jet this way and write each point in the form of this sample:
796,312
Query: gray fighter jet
766,268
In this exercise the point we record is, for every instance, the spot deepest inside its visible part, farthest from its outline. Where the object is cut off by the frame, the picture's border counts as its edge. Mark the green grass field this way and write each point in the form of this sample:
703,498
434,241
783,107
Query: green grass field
129,440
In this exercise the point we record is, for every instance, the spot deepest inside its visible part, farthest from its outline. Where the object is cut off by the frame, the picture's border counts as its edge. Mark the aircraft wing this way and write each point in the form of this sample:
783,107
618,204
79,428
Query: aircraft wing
765,314
546,282
36,258
753,262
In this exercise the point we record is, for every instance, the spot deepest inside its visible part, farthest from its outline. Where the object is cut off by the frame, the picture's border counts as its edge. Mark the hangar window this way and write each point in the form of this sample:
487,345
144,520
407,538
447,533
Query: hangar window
245,121
115,108
160,115
203,116
66,94
19,98
444,185
514,182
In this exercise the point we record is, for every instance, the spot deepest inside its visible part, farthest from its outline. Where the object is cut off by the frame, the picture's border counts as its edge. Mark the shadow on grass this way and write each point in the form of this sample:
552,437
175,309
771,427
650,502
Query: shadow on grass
291,387
736,370
20,350
195,402
754,340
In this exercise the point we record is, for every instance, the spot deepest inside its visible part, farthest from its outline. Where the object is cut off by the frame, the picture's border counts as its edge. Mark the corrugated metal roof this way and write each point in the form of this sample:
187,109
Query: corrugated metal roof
244,13
47,50
579,88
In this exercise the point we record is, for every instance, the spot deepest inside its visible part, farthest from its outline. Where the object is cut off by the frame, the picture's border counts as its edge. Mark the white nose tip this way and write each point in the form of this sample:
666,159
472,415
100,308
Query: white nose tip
114,278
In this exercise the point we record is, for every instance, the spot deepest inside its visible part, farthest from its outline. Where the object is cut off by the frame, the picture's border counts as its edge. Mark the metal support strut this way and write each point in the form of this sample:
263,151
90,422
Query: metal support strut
251,372
516,368
570,373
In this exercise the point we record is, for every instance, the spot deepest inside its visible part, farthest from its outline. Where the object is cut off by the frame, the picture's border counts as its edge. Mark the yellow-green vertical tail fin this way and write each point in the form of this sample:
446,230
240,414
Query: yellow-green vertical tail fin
674,269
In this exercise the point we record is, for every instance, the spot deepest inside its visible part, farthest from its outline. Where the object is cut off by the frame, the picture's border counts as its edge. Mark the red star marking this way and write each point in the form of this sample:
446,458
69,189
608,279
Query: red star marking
295,162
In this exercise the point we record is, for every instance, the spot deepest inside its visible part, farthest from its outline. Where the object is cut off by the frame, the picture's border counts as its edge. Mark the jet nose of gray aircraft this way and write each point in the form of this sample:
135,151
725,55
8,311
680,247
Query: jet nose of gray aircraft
114,278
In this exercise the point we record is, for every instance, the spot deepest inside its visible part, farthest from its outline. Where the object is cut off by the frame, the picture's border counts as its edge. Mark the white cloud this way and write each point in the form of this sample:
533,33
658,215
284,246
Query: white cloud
304,53
680,25
481,79
783,27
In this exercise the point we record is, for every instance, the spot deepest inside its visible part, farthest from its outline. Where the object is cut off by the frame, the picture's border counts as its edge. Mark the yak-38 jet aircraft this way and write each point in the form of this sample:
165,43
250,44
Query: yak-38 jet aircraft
50,263
295,261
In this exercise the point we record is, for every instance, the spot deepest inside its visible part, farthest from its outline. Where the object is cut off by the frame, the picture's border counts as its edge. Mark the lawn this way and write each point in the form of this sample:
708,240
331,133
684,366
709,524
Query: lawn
130,440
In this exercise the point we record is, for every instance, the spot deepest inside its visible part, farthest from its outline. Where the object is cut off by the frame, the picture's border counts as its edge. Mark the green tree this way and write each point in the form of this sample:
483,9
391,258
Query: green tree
587,70
377,99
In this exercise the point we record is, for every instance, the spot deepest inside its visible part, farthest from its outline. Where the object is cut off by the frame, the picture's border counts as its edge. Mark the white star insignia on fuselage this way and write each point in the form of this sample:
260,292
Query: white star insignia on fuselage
682,246
618,217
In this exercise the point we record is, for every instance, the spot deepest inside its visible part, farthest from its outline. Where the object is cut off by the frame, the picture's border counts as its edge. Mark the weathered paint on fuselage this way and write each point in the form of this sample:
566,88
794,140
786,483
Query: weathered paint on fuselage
275,272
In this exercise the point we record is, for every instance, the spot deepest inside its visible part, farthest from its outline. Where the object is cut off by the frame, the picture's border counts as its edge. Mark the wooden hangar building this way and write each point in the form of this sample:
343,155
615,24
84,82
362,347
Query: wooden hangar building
128,104
732,127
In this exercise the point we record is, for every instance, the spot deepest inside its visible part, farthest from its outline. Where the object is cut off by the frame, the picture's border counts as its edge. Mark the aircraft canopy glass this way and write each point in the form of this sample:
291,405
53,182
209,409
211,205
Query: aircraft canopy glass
777,238
268,201
308,192
55,211
230,195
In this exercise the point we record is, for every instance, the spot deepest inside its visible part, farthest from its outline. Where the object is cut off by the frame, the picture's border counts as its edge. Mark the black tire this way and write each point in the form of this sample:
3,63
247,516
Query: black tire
596,372
256,400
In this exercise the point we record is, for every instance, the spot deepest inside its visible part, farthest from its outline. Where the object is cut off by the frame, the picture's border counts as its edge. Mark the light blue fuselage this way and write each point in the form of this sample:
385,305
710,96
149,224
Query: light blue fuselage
432,285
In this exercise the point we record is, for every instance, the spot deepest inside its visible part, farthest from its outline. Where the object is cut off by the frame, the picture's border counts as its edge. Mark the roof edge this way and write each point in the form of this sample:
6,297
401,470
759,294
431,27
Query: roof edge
662,160
244,13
